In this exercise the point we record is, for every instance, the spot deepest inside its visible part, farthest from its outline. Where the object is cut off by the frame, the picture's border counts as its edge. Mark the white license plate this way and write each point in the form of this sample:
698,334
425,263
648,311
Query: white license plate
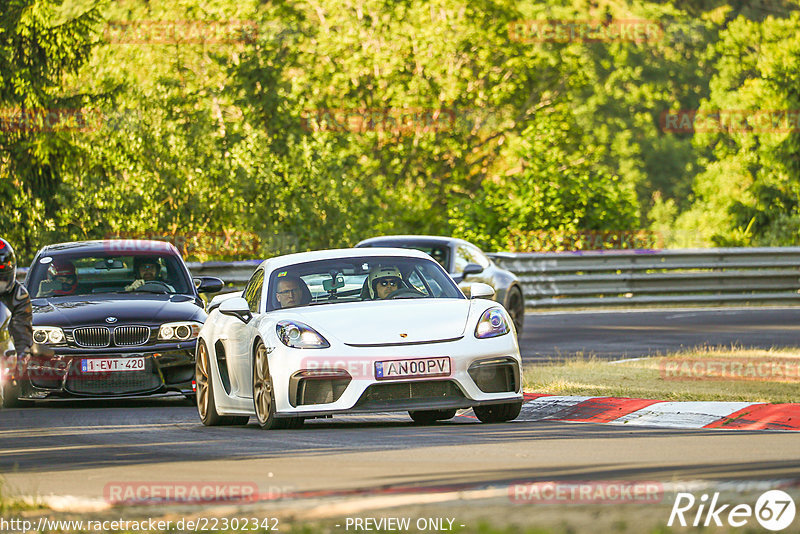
106,365
395,369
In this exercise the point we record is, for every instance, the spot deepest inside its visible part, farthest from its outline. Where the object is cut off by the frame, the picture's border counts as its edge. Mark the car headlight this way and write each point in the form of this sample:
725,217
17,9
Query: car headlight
492,323
300,336
49,335
182,331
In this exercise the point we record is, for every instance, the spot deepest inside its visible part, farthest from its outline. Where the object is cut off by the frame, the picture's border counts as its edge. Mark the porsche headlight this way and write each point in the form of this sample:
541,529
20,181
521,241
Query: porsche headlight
48,335
181,331
492,323
300,336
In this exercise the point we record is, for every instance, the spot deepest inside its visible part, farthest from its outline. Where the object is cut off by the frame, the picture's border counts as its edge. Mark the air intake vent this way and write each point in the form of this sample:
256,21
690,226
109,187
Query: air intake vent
129,336
95,336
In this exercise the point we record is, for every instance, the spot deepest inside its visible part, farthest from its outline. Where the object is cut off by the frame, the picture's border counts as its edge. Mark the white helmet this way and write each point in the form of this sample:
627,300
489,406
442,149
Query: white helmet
381,272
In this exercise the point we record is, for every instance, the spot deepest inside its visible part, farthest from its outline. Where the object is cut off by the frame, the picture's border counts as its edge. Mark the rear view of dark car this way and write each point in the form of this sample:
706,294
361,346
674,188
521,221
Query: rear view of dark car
466,263
121,318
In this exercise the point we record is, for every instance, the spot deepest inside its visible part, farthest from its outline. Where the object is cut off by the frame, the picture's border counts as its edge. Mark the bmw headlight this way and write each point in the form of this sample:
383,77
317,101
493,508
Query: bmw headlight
48,335
300,336
181,331
492,323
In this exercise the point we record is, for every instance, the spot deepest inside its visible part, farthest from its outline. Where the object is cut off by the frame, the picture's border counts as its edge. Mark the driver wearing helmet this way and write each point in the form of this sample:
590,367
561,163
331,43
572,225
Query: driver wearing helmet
61,280
146,269
383,281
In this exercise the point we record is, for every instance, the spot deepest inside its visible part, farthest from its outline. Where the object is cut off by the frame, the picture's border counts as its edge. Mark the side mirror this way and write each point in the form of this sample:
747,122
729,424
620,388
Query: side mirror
479,290
471,268
208,284
236,307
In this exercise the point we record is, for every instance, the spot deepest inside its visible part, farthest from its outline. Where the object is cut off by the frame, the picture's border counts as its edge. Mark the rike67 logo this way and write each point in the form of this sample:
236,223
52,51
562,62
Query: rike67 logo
774,510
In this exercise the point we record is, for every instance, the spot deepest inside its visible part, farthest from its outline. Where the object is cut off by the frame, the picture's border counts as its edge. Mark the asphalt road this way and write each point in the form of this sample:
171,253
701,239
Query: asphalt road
630,334
79,447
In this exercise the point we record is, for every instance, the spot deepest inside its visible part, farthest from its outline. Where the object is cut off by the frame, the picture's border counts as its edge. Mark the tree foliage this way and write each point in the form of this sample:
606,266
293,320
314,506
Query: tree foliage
306,124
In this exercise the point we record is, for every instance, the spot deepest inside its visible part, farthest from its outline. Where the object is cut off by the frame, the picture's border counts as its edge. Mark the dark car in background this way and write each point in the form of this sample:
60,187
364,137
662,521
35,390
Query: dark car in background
466,263
121,317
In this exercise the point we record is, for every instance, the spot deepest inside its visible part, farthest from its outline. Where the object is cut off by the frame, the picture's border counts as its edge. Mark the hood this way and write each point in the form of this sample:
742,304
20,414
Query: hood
134,309
383,322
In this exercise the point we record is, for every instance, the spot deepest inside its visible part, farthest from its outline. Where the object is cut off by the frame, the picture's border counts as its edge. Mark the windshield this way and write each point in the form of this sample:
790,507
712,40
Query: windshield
70,275
358,279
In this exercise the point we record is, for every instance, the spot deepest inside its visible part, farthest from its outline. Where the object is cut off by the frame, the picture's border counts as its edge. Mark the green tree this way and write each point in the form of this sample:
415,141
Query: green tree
39,45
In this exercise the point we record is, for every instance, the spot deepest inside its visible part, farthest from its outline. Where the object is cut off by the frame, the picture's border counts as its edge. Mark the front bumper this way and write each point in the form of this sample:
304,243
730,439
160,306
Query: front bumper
166,368
482,373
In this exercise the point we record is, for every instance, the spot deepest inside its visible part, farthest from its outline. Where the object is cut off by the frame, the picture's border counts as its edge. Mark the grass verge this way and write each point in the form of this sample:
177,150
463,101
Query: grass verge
712,374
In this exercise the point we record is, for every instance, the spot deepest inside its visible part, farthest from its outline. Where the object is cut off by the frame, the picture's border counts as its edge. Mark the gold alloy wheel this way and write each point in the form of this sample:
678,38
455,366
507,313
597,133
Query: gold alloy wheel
201,380
262,388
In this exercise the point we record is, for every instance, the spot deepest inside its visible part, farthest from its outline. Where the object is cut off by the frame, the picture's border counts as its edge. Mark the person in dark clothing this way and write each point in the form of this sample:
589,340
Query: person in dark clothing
15,297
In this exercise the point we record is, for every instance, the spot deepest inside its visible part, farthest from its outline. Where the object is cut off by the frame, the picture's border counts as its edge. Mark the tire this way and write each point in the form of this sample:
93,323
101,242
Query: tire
515,304
498,413
206,407
264,395
428,417
10,396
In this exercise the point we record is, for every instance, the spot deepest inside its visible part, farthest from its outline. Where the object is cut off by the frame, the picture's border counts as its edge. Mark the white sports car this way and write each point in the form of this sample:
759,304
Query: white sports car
350,331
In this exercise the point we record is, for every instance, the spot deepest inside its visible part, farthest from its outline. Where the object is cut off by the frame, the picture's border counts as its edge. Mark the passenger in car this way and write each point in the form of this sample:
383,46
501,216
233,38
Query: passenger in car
291,292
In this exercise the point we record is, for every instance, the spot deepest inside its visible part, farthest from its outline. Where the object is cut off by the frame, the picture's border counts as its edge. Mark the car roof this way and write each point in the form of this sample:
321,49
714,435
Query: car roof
302,257
119,246
417,239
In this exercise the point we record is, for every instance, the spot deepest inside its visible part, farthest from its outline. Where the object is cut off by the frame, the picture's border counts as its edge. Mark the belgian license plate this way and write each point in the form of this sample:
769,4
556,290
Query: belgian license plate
394,369
106,365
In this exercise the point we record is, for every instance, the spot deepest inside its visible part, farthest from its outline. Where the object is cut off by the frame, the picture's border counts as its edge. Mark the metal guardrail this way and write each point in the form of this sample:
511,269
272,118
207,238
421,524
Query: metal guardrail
625,277
647,277
235,273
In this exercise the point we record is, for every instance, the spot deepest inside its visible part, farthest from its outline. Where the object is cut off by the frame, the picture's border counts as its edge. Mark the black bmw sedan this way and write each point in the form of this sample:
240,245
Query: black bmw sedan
121,318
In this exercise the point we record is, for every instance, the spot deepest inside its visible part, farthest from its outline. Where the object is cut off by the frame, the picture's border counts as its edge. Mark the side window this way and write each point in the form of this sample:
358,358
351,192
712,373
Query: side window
476,256
461,260
416,282
252,292
436,289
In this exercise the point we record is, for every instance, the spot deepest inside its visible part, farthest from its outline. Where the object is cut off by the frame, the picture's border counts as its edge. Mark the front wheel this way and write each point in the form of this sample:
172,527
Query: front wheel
11,394
264,394
206,406
498,413
11,389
